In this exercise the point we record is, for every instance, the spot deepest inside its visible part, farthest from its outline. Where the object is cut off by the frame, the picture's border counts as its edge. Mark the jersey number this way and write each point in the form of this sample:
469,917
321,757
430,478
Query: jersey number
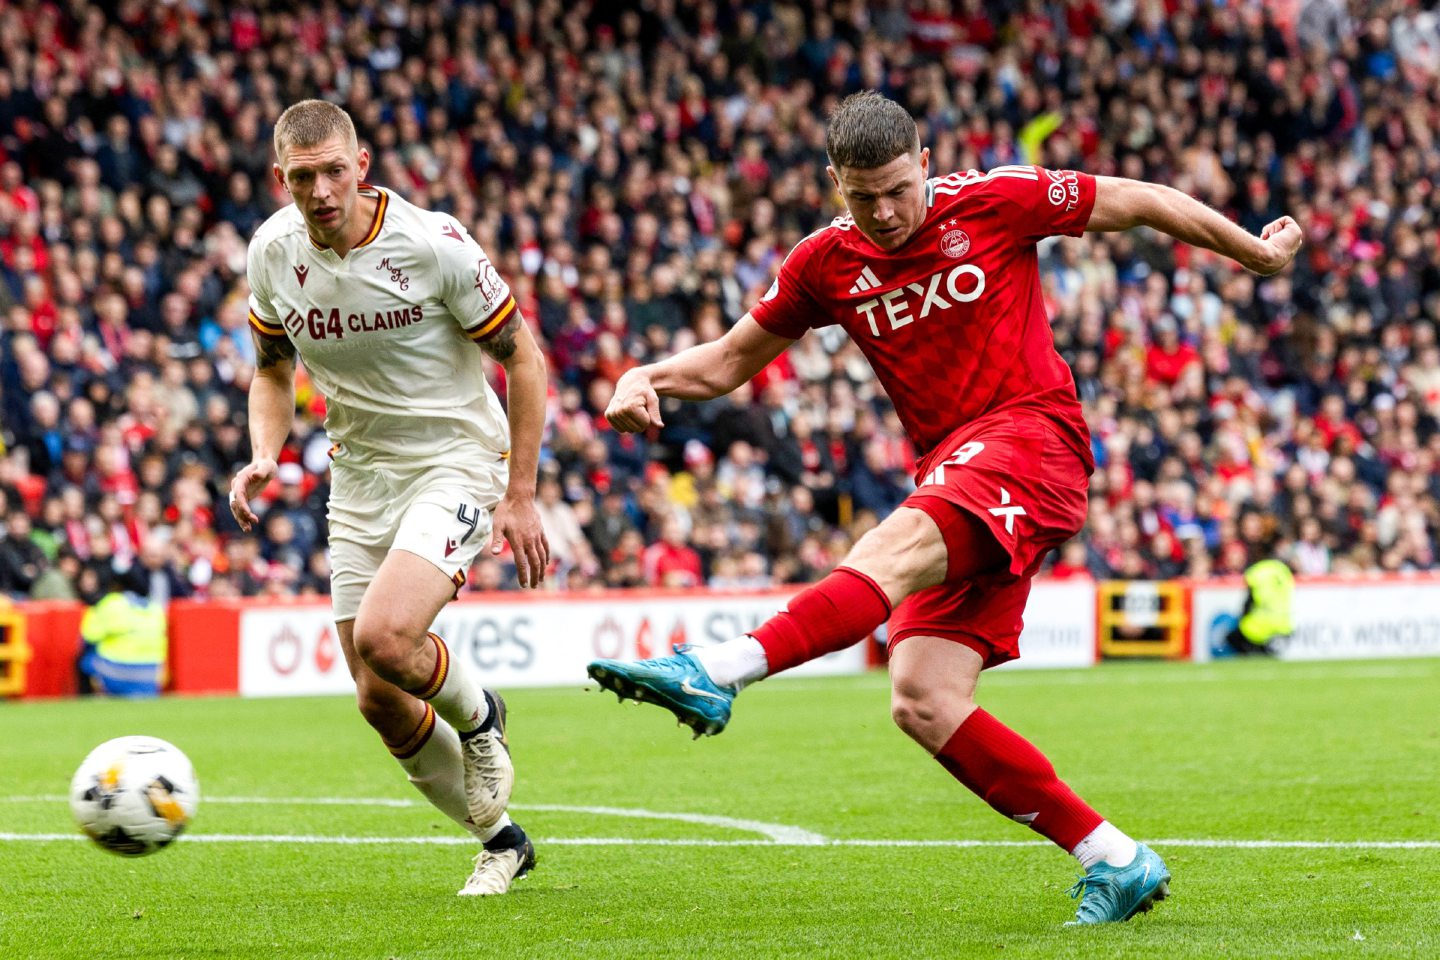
958,458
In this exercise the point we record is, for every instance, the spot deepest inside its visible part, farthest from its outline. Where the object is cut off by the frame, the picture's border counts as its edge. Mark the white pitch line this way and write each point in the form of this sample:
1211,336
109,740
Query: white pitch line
776,832
304,839
779,835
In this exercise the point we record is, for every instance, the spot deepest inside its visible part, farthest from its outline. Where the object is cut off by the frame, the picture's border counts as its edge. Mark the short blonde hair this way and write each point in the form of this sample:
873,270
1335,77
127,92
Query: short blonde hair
310,123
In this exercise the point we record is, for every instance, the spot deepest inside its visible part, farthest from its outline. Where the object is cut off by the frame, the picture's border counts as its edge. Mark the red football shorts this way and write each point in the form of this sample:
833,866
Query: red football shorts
1015,474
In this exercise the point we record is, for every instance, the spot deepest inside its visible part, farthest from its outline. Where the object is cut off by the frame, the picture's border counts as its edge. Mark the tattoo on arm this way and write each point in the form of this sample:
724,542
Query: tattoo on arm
271,352
501,346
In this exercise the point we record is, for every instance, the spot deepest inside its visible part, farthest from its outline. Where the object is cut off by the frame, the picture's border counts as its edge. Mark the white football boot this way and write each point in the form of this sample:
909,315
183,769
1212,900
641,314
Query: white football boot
495,870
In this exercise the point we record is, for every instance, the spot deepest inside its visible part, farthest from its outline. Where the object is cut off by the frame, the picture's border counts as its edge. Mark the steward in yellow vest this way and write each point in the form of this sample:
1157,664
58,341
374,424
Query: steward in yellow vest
125,644
1267,615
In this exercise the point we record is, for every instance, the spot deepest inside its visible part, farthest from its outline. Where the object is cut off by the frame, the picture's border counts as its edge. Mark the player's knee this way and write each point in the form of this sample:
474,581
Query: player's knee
386,647
913,708
928,713
911,716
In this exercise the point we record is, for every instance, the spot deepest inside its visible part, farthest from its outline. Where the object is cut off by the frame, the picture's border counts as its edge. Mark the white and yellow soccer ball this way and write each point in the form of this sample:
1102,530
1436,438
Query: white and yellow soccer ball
134,795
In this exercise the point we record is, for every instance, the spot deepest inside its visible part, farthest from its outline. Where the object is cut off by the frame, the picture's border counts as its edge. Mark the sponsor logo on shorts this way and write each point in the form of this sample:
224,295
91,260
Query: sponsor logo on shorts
1007,510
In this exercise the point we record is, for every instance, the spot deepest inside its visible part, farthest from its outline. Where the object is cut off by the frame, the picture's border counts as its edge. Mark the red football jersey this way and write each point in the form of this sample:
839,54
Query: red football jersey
953,321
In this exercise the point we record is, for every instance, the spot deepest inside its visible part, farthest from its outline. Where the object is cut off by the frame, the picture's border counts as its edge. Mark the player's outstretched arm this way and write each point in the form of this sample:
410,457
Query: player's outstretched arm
516,518
1121,204
272,413
702,372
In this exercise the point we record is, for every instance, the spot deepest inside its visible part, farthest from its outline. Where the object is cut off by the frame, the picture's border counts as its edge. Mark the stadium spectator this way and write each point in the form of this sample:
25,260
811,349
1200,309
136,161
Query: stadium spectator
640,171
670,562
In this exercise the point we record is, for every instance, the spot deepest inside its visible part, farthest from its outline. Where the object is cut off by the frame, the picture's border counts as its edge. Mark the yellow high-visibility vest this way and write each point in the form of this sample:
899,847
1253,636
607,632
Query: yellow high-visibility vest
126,628
1272,586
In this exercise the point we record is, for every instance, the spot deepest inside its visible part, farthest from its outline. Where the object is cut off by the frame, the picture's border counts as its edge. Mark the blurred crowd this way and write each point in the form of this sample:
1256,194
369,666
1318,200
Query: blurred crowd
638,171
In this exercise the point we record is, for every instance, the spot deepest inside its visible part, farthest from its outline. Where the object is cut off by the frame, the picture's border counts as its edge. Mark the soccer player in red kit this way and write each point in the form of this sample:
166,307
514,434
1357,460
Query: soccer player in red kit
938,282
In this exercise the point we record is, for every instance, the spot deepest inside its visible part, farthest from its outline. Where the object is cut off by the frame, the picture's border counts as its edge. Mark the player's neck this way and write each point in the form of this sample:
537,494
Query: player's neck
354,232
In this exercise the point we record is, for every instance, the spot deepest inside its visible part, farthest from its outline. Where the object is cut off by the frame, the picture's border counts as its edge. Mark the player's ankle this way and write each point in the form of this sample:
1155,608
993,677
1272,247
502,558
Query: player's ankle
1106,844
502,834
734,663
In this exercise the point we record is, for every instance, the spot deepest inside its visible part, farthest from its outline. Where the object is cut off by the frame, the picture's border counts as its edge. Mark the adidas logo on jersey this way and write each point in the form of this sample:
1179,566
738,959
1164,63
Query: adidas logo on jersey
866,281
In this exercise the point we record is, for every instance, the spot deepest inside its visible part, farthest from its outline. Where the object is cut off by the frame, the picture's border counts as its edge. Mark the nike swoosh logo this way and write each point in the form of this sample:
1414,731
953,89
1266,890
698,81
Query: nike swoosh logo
685,687
1145,879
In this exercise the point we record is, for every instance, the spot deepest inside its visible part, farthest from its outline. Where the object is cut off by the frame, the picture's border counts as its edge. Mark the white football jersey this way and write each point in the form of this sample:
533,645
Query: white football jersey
388,333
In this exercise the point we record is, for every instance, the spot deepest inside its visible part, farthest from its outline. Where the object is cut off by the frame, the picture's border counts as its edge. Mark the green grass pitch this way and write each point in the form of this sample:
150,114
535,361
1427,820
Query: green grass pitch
1341,761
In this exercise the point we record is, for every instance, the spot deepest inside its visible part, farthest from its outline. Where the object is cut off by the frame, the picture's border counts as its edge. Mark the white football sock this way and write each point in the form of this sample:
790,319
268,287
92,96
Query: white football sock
438,773
1105,843
455,691
734,663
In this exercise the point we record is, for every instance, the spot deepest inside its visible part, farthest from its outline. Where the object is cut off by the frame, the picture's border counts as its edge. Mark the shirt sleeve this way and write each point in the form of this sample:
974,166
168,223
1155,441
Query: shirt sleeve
264,319
1050,202
788,309
471,288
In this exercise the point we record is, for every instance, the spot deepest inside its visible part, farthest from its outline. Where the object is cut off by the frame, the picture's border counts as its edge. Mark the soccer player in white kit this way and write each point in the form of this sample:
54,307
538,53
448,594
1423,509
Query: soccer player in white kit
389,307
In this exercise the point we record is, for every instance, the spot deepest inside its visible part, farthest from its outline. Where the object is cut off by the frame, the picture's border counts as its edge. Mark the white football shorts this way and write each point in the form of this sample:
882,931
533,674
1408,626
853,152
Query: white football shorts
441,513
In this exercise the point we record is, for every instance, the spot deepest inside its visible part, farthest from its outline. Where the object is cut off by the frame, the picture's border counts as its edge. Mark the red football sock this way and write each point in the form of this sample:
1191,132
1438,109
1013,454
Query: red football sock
1011,775
840,610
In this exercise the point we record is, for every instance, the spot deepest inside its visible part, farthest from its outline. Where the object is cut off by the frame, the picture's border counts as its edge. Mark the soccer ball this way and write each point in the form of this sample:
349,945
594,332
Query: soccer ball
134,795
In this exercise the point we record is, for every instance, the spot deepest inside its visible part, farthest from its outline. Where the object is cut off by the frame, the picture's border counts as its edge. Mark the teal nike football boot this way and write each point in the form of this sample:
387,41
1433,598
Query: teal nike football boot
678,683
1115,894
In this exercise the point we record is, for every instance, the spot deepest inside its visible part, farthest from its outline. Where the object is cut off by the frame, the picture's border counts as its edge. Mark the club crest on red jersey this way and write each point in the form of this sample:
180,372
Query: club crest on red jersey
955,243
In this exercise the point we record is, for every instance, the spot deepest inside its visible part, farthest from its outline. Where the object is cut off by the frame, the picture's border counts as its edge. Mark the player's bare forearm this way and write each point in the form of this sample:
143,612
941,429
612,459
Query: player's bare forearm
702,372
272,396
709,370
515,349
1121,204
516,519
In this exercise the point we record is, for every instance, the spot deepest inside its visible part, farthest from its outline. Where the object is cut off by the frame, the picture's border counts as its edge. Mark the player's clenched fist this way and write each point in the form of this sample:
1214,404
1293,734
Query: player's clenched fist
635,407
1281,239
248,483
